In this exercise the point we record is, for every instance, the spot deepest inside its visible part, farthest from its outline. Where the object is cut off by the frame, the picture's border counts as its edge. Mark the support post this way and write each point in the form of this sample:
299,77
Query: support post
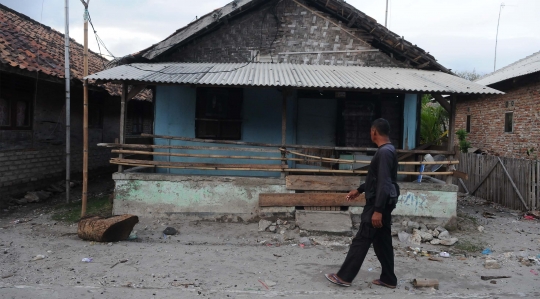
122,120
85,119
284,127
68,105
451,134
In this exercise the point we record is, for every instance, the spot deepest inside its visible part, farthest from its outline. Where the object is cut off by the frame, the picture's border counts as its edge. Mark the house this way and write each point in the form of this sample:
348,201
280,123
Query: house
262,105
33,112
509,124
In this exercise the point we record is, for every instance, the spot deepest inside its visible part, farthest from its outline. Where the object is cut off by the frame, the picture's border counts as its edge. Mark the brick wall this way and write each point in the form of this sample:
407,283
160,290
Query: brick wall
487,121
25,170
298,29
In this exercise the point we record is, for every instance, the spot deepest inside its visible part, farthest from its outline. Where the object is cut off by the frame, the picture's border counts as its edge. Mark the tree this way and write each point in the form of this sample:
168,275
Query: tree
433,120
469,75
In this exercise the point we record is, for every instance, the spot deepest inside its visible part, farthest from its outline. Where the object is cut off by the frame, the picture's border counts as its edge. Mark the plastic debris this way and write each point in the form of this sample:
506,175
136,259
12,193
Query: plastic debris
38,257
487,251
87,259
534,272
133,235
444,254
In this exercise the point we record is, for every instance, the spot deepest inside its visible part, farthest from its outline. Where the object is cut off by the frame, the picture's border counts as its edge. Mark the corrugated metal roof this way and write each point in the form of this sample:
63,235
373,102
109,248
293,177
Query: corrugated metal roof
525,66
294,75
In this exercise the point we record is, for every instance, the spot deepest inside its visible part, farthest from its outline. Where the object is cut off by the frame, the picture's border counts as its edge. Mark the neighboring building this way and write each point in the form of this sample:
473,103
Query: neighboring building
509,124
32,106
309,76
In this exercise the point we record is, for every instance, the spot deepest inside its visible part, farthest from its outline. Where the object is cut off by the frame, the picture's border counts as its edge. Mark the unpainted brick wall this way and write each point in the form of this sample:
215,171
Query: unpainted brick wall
487,121
24,170
298,30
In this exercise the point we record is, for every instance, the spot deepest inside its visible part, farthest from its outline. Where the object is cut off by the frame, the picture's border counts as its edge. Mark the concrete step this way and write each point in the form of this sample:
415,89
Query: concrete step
331,222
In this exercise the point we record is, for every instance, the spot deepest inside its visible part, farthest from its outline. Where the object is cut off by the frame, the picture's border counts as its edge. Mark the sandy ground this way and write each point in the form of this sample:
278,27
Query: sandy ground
230,260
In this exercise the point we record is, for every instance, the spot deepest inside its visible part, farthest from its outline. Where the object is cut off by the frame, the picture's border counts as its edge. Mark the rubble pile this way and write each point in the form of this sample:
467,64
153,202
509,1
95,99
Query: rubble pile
41,195
418,233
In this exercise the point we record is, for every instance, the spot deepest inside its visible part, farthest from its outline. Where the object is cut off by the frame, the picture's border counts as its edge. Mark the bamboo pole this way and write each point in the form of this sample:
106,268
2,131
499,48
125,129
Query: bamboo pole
85,119
67,74
182,147
122,120
313,158
178,165
364,149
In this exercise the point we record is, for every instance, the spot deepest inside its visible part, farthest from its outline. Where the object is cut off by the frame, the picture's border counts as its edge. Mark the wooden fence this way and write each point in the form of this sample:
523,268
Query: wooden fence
513,183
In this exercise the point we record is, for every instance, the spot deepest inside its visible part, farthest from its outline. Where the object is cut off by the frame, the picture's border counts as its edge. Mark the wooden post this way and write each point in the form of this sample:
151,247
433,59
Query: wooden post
451,134
122,120
85,111
284,128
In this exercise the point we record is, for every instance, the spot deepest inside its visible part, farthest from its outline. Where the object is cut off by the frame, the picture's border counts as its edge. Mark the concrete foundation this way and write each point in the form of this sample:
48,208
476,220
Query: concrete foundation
226,197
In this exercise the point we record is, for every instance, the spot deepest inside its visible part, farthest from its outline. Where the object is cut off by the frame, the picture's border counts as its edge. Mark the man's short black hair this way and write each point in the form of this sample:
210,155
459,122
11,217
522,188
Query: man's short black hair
382,126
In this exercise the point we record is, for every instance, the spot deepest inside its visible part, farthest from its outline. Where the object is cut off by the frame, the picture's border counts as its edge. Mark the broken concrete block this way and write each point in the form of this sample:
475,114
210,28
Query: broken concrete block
449,242
492,264
413,224
441,229
423,227
272,228
305,241
404,237
435,242
481,229
264,224
415,238
435,233
425,236
279,222
444,235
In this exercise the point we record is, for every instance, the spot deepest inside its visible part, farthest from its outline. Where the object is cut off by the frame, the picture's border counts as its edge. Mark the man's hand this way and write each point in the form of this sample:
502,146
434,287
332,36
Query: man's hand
376,220
352,195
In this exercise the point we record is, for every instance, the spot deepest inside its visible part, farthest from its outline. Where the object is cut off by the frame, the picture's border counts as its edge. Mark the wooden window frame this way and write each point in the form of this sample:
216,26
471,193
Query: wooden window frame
506,122
12,108
219,113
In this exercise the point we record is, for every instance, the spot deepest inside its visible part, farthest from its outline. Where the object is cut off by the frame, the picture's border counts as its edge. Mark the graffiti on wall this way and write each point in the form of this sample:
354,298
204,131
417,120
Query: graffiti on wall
416,201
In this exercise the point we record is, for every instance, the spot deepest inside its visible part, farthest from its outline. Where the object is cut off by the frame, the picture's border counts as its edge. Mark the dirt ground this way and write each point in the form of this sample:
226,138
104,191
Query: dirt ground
234,260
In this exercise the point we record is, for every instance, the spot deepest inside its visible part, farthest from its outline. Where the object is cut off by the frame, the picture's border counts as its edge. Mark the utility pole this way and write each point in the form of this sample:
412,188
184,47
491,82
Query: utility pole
497,37
386,15
68,106
85,105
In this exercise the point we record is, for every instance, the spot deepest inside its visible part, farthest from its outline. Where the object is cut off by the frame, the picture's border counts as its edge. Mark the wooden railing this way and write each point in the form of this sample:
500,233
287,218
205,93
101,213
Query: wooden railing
283,154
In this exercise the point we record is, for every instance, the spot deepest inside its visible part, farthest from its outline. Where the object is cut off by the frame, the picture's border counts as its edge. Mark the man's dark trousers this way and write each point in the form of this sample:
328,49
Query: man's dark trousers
382,244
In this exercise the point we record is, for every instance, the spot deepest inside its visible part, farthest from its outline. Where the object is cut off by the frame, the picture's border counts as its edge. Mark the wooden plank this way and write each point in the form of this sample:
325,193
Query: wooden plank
322,183
309,200
486,175
209,165
443,102
123,115
181,147
513,185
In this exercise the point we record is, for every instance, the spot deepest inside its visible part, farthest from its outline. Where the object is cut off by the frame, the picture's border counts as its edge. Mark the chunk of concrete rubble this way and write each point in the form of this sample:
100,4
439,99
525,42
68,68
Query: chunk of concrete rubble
435,233
415,238
328,243
264,224
440,229
492,264
37,196
444,235
404,237
270,283
394,232
435,242
423,227
413,224
279,222
449,242
424,236
282,231
305,241
481,229
272,228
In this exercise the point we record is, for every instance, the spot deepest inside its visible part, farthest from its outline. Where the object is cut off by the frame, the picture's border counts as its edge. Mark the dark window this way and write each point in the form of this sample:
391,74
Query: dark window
468,123
15,114
509,122
219,113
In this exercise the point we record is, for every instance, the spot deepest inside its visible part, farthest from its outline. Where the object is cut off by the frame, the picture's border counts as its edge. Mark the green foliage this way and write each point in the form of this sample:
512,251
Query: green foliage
433,120
464,145
99,206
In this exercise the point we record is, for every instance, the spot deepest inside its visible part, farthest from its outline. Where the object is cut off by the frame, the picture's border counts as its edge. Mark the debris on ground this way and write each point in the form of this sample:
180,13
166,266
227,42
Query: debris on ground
110,229
170,231
426,283
38,257
418,233
87,260
492,264
493,277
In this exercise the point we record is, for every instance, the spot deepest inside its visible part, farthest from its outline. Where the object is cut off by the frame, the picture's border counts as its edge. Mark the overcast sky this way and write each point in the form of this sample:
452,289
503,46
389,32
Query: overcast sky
459,33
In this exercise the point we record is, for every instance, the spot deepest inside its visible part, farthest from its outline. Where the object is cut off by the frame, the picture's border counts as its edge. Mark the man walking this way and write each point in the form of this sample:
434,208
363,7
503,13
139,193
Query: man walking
382,193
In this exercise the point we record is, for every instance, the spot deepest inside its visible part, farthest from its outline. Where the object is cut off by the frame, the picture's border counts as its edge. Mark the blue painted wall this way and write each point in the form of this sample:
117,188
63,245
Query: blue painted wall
262,108
409,121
